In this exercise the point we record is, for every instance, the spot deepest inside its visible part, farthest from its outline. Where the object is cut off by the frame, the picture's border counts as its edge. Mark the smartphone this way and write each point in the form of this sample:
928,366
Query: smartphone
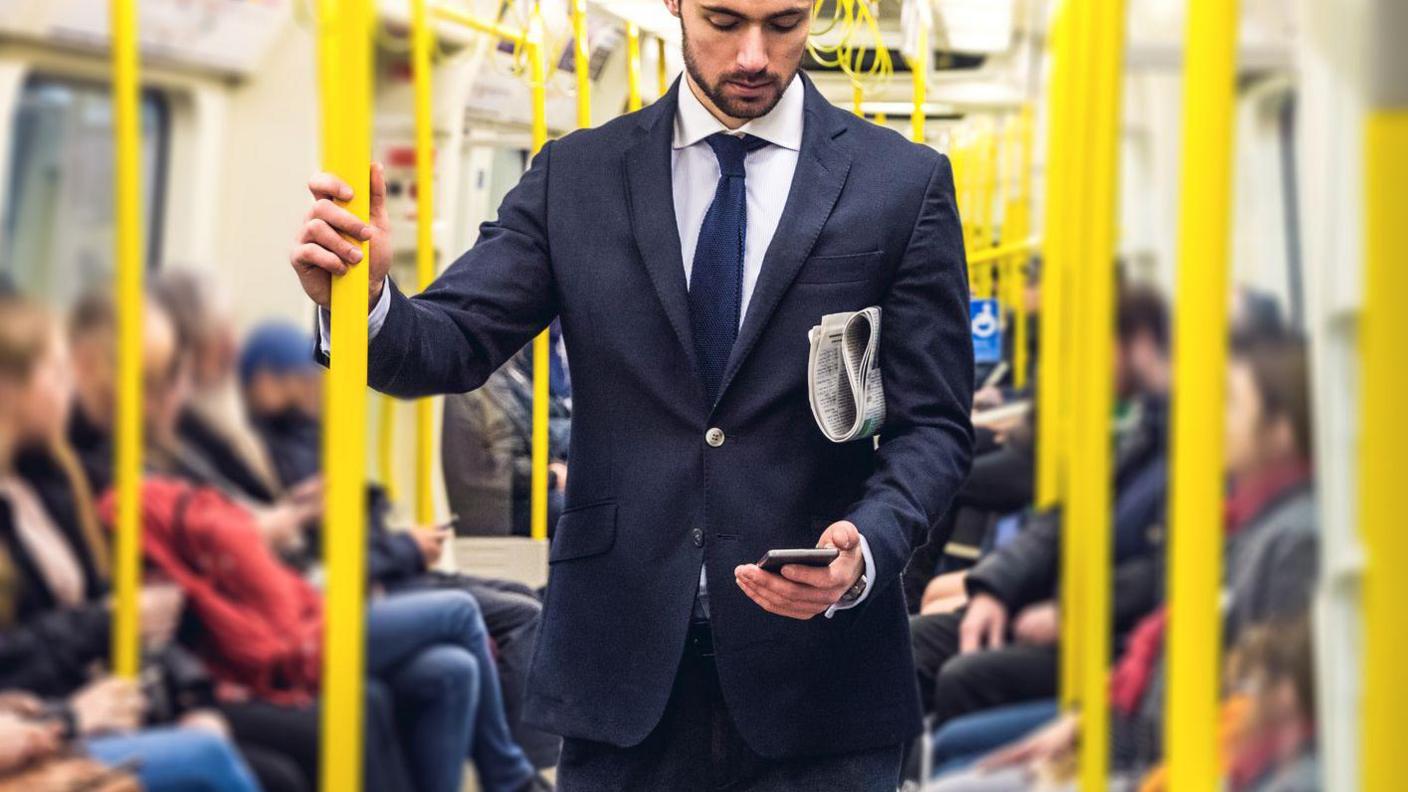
774,560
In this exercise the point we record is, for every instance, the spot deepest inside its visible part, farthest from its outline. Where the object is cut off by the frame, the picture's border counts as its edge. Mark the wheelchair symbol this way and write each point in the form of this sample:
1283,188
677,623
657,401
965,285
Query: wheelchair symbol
985,323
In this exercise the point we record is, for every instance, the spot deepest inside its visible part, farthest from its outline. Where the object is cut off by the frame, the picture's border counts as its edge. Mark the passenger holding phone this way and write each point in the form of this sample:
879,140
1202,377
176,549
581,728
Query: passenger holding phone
687,250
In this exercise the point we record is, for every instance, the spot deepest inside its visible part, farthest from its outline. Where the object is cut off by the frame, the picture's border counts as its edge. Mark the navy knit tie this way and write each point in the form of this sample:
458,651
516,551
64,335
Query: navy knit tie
716,281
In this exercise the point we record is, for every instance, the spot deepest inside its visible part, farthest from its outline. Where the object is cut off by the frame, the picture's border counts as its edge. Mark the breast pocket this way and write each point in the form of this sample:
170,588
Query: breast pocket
843,268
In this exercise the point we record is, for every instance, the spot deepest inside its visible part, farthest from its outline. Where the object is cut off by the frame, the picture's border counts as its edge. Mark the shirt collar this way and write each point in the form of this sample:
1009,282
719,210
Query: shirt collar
782,126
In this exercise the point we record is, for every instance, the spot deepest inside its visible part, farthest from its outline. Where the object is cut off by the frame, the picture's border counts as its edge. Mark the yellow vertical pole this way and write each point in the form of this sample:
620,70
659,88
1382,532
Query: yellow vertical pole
538,522
127,258
1021,230
1063,195
1007,266
633,100
422,42
987,195
345,39
1200,366
919,74
963,195
857,98
581,62
987,184
662,76
1383,337
1091,493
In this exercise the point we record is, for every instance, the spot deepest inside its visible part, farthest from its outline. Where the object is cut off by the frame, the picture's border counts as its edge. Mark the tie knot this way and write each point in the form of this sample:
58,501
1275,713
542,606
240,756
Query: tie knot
732,149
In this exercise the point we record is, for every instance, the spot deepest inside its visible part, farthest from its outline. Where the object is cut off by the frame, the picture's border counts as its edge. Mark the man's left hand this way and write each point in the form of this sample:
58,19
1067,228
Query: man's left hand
802,592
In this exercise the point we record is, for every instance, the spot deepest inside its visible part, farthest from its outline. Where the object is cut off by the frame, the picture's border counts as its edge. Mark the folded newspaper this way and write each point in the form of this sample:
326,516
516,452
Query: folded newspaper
843,375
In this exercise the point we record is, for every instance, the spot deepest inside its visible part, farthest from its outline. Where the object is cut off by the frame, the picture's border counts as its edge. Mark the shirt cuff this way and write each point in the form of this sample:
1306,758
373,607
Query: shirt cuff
869,581
375,318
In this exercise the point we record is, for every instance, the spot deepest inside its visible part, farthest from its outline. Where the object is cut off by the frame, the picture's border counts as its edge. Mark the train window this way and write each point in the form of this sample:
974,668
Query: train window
58,221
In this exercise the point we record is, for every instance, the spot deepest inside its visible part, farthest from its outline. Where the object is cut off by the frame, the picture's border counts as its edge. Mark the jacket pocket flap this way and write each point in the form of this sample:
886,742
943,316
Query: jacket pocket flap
584,531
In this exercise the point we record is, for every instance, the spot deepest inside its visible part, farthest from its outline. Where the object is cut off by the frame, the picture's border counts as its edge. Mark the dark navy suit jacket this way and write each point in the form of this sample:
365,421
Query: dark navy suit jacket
589,235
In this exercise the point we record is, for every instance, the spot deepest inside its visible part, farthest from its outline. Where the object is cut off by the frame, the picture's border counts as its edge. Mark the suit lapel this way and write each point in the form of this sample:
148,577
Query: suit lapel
822,166
649,181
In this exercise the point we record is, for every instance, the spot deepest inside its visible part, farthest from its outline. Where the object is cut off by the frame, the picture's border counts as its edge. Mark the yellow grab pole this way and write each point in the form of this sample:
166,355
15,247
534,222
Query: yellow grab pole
345,58
1091,495
919,74
962,178
1199,381
1021,229
987,183
1057,380
633,100
987,198
538,522
581,63
537,66
127,257
1383,338
422,42
662,77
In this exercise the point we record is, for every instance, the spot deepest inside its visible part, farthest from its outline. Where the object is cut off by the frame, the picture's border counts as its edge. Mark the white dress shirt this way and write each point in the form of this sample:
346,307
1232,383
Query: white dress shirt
695,177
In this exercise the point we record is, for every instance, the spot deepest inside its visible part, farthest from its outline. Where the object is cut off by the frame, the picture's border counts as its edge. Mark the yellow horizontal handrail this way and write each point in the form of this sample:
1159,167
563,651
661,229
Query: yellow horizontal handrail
1002,251
475,23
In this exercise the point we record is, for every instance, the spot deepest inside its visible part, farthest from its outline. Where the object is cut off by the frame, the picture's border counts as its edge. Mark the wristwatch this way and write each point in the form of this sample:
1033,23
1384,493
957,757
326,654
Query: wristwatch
853,593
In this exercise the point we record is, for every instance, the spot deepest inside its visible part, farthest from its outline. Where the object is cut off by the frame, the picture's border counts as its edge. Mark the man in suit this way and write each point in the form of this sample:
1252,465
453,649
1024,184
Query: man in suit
688,248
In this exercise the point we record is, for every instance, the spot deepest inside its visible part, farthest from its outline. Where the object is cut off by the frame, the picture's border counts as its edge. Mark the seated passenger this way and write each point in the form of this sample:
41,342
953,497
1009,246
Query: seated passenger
281,741
213,420
282,388
487,455
55,617
42,742
1001,648
1269,570
262,623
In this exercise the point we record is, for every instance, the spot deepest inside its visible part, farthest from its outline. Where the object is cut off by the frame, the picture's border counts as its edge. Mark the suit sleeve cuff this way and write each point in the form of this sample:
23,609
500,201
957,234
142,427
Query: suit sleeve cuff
869,581
375,318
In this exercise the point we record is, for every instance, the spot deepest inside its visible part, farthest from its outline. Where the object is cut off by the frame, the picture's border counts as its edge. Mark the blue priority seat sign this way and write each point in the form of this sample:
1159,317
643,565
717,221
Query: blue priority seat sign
985,320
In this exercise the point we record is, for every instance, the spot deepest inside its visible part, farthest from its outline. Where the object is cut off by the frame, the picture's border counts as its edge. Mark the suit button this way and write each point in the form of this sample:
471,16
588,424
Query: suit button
714,437
698,536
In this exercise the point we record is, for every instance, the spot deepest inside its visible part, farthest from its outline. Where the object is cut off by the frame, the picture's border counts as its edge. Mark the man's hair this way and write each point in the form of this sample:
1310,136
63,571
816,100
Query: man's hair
1280,372
1143,311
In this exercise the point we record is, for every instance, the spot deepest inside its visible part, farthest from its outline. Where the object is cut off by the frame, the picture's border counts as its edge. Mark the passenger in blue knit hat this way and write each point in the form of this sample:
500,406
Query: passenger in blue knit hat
283,392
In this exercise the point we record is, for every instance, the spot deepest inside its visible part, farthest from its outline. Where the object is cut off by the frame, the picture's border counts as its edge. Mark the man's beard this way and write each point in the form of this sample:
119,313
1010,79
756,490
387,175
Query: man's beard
715,91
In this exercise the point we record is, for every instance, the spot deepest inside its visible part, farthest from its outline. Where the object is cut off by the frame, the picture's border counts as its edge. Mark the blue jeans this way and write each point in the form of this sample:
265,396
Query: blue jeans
433,649
177,760
966,739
